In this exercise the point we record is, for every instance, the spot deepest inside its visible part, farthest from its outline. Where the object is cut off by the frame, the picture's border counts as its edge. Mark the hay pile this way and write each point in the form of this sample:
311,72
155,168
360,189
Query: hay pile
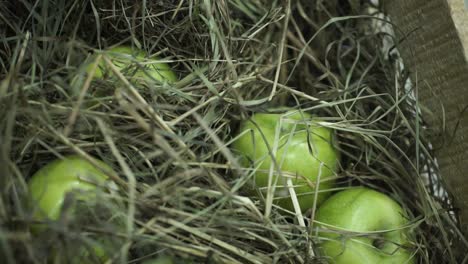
180,187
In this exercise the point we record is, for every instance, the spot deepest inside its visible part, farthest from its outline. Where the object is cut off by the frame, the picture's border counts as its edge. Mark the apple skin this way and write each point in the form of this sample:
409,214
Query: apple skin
160,260
293,155
363,210
50,184
48,188
93,254
125,59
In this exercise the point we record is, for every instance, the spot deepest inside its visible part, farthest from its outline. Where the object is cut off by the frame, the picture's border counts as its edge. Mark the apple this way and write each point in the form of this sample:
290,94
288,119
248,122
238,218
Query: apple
131,62
50,184
134,62
160,260
305,151
93,253
363,226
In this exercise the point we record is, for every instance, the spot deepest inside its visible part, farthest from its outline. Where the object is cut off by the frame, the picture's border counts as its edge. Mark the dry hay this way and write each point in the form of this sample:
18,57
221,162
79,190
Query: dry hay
181,189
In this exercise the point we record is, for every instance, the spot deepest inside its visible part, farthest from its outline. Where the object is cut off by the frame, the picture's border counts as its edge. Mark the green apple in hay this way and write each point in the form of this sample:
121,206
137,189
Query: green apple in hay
305,151
49,185
160,260
365,227
135,63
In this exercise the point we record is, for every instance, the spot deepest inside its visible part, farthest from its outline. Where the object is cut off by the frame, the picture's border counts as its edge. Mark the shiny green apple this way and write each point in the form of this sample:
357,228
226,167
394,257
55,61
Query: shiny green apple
363,226
135,63
305,151
49,186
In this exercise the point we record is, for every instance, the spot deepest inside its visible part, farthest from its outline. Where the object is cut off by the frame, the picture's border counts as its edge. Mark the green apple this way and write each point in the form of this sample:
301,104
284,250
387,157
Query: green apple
134,62
160,260
305,151
363,226
49,186
93,253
